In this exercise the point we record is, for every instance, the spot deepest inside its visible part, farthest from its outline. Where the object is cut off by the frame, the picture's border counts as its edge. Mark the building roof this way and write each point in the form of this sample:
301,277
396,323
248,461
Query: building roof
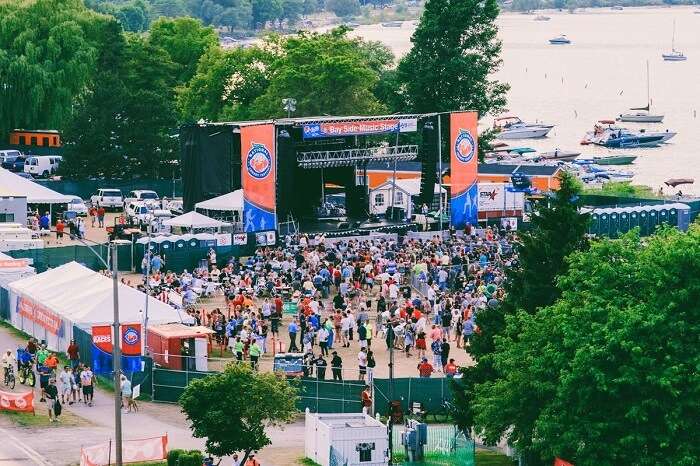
16,186
177,330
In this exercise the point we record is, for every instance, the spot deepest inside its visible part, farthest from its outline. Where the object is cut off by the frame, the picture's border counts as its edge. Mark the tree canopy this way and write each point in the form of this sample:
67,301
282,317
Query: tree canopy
606,375
455,52
231,409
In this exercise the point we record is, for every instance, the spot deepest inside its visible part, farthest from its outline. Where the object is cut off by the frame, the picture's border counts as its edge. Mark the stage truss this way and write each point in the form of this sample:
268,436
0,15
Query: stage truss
356,157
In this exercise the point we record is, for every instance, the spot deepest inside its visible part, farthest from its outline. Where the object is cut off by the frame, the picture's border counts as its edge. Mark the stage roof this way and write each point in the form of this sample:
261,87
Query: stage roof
319,119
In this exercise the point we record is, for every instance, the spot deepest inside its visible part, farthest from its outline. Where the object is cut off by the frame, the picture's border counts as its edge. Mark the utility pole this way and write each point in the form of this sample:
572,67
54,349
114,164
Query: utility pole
439,130
116,359
390,337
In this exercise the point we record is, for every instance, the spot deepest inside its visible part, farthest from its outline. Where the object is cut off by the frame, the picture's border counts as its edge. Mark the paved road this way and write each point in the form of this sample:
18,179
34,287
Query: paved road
14,452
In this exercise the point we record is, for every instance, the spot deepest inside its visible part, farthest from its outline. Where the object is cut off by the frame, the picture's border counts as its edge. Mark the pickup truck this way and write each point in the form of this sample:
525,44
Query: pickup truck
108,198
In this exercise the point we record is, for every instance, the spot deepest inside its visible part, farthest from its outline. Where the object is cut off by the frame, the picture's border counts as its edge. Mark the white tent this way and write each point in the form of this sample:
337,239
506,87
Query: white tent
12,269
75,295
194,220
14,185
230,201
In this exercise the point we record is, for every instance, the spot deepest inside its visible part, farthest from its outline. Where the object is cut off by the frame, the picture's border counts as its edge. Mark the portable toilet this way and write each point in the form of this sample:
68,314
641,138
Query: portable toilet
643,222
604,224
683,213
614,224
664,218
625,219
653,219
593,227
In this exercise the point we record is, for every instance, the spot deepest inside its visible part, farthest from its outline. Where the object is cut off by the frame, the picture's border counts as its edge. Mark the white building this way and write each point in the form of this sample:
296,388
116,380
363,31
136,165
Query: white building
356,439
403,192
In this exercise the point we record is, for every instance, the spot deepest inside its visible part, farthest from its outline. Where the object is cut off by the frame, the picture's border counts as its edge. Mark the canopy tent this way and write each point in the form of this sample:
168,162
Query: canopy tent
47,305
230,201
14,185
12,269
194,220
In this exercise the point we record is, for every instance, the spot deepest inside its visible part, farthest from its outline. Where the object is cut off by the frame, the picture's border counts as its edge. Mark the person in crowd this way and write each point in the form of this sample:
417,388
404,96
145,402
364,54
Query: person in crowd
87,382
425,369
51,398
100,216
336,366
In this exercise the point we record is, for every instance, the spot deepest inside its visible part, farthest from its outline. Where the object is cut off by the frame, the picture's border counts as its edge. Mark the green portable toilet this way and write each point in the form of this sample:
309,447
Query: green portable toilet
180,245
593,226
664,218
634,218
624,220
643,222
673,216
604,224
614,224
653,219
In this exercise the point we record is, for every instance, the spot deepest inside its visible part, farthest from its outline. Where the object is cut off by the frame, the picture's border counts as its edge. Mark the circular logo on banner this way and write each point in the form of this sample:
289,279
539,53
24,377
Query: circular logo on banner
259,161
20,403
464,146
131,336
5,402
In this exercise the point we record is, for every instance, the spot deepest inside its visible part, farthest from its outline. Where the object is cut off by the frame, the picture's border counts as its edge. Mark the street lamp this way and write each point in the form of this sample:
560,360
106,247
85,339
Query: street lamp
116,353
290,105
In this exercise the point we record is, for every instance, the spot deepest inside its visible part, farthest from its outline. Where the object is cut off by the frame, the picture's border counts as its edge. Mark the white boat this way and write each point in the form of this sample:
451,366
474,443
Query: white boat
642,114
616,137
617,8
542,18
392,24
561,40
674,55
558,154
512,127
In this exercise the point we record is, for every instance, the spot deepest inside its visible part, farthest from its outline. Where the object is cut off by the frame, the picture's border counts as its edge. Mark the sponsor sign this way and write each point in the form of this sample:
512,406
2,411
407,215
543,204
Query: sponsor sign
357,128
258,174
131,340
223,239
240,239
21,402
133,451
103,347
464,202
40,315
497,197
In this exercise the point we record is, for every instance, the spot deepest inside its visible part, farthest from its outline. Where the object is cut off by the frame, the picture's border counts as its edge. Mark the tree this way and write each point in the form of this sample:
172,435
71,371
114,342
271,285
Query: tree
557,230
265,11
326,74
344,8
48,50
133,16
231,409
606,375
292,10
185,40
455,51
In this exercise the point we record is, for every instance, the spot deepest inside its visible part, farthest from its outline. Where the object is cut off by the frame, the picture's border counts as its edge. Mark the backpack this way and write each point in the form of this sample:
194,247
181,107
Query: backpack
57,408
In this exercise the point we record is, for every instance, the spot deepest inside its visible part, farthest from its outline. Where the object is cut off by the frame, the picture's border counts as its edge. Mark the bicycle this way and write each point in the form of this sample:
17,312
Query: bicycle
26,376
10,377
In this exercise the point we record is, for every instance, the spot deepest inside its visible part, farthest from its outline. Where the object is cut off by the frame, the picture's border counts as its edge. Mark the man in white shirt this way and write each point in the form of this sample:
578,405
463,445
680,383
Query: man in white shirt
362,362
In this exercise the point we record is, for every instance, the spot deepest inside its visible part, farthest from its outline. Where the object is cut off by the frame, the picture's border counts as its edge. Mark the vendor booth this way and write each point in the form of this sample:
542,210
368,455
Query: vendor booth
195,221
228,207
49,304
179,347
11,270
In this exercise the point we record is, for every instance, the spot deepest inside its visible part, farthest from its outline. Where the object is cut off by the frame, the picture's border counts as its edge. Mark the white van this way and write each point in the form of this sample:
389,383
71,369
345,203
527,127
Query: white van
42,165
11,154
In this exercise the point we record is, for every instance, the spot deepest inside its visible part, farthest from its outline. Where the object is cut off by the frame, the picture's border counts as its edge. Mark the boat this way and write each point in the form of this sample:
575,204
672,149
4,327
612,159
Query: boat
607,160
512,127
674,55
542,18
642,114
623,138
392,24
617,8
675,182
561,40
558,154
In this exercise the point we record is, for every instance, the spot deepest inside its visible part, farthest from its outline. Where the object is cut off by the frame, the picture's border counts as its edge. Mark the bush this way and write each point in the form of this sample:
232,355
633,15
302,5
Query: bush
191,458
173,456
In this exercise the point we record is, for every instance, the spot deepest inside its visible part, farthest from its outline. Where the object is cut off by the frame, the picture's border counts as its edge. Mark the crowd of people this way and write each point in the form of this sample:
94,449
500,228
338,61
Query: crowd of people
419,296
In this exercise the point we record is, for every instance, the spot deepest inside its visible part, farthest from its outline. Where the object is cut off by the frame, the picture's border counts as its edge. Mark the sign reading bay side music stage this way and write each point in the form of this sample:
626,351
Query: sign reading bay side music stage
357,128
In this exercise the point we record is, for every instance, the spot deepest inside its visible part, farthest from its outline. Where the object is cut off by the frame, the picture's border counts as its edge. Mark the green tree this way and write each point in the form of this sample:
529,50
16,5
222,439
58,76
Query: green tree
292,10
608,374
455,52
134,16
236,15
185,40
231,409
557,230
265,11
48,50
344,8
325,73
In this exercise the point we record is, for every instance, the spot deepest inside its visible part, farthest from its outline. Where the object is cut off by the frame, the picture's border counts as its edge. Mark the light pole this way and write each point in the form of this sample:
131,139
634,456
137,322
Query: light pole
290,105
116,343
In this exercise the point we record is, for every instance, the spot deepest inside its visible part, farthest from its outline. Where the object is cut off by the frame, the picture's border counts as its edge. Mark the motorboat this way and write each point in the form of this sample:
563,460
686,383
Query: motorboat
674,55
615,160
512,127
617,8
542,18
560,40
392,24
558,154
623,138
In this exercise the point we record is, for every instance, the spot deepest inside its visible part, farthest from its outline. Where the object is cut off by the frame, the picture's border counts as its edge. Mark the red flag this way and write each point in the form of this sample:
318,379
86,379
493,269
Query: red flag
560,462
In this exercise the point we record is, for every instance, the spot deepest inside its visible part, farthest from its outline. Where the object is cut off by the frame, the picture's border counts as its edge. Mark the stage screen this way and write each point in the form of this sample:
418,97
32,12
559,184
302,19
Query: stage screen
258,174
463,169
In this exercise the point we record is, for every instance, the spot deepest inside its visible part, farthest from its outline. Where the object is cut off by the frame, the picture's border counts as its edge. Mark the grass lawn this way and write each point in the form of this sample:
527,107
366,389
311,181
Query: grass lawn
307,462
41,418
15,332
492,458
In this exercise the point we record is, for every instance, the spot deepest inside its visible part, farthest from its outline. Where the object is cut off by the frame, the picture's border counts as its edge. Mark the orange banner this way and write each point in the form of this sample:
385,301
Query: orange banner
22,402
133,451
258,175
463,169
13,263
561,462
39,314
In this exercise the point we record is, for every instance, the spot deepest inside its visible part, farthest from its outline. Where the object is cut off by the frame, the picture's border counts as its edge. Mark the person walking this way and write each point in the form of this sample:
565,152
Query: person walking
87,381
323,340
337,366
425,369
321,364
366,400
100,216
127,393
254,351
293,329
444,352
238,347
51,393
73,353
65,385
362,363
371,364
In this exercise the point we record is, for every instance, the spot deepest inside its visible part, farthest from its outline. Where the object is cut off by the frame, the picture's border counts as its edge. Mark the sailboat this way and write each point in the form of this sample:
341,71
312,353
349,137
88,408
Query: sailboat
642,114
674,55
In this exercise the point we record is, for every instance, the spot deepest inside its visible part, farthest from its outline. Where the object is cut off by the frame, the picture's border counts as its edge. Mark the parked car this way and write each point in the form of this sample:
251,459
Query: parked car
9,154
14,163
146,196
137,213
78,206
108,198
42,165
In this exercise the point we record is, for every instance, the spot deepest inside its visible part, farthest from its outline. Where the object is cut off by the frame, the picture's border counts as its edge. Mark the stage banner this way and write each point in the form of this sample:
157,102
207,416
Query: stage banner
40,315
102,348
561,462
259,173
463,169
358,128
133,451
21,402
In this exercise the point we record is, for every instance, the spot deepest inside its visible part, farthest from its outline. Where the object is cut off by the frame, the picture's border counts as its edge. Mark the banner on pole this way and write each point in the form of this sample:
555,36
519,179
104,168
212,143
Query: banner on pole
133,451
358,128
103,347
258,175
19,402
464,202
